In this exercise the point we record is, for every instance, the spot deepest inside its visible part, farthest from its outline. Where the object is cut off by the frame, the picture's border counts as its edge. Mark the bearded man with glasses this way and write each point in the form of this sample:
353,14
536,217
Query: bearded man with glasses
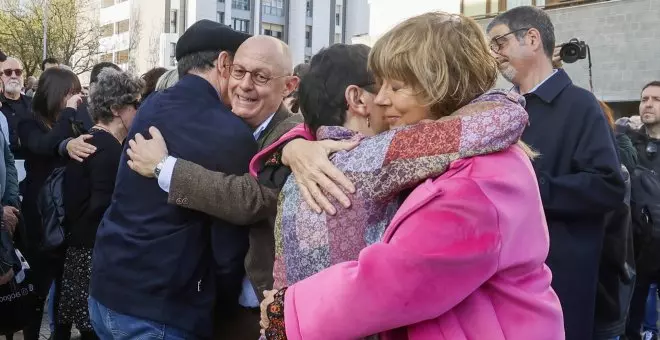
15,105
578,172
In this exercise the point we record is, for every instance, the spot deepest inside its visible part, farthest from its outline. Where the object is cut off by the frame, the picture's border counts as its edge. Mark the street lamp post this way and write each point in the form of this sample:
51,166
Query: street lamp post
45,47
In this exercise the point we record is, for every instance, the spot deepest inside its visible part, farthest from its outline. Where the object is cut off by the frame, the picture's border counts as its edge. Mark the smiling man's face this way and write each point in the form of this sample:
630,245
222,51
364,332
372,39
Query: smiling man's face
260,78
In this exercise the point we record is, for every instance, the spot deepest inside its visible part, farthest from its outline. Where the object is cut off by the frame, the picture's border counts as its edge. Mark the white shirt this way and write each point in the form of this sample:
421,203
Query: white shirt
248,297
517,89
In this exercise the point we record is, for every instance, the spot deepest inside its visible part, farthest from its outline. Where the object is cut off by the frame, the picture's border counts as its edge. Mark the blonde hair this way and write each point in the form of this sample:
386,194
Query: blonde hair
167,80
444,57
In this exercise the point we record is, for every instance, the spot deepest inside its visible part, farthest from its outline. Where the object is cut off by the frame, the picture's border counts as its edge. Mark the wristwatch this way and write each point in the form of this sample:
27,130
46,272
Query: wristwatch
159,166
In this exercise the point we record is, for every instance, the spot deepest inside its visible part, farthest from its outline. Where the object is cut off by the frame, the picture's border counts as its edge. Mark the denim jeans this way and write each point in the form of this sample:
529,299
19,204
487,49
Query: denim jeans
51,307
110,325
651,314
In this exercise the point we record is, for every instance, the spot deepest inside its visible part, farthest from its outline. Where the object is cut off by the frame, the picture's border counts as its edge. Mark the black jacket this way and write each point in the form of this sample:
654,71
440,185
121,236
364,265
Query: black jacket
15,111
580,182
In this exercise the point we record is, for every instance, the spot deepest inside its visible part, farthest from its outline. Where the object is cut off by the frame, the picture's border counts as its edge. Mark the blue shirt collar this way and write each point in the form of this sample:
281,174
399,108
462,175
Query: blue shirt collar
260,129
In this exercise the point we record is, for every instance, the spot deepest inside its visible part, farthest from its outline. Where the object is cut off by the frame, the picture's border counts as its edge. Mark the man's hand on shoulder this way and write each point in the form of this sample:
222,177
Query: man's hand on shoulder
145,154
79,149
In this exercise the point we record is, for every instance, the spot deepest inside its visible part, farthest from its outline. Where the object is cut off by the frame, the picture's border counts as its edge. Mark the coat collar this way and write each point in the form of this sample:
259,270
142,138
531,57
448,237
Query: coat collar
281,115
552,87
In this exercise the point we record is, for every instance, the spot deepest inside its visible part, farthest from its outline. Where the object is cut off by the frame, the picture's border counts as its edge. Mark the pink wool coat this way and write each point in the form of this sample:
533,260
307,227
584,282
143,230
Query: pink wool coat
463,259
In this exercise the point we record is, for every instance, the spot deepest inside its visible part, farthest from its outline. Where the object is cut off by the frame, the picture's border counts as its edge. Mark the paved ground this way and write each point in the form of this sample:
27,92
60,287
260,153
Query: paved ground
45,331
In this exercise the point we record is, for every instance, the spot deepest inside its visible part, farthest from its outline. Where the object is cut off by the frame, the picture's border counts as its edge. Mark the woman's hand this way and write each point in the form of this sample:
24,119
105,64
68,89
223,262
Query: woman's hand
79,149
315,173
269,297
74,101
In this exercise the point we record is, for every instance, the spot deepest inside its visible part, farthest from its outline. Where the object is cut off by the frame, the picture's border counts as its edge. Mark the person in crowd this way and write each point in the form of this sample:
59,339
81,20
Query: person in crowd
31,86
291,101
54,106
151,79
646,142
579,174
15,105
87,190
167,80
156,255
76,148
616,275
260,77
454,245
49,63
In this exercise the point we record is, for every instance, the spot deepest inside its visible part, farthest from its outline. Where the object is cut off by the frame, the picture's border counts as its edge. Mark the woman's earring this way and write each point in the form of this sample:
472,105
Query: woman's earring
368,122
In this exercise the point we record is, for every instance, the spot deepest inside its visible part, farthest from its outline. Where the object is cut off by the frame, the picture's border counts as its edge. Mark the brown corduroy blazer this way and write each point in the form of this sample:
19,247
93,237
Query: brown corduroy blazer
240,200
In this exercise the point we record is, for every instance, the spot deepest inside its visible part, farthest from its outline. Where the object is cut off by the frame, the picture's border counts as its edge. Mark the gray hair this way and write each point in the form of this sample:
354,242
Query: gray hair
198,61
113,90
525,17
167,80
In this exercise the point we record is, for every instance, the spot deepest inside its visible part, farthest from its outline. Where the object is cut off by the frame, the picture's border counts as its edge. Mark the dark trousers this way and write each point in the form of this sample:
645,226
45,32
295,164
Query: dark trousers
239,324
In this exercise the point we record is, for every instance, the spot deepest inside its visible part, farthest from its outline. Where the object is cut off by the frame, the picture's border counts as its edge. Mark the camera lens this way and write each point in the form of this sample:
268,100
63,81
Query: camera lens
570,53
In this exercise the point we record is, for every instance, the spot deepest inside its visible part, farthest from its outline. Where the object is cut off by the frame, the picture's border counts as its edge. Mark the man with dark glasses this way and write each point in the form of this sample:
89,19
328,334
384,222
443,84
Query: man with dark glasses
578,172
15,104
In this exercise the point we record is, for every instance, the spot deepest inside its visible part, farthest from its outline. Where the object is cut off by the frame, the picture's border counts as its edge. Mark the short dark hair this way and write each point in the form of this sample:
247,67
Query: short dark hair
94,75
322,89
54,85
113,89
299,71
655,83
198,61
151,79
3,57
48,61
522,17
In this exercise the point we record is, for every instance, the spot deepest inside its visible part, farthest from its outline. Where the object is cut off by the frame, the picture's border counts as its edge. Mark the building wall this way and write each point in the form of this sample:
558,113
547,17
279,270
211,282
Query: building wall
624,37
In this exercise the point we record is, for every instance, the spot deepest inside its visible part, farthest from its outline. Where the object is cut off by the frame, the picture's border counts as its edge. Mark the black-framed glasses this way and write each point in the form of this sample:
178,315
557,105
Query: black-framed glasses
8,72
238,72
497,42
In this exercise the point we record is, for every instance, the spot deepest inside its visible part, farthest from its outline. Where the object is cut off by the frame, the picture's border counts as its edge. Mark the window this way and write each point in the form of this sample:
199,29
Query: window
308,36
174,20
172,54
220,17
309,8
273,7
107,3
485,8
121,57
241,4
122,26
241,25
338,15
106,57
273,30
107,30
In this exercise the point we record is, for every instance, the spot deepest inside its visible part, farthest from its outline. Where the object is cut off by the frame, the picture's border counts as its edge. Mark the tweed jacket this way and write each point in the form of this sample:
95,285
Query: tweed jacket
238,199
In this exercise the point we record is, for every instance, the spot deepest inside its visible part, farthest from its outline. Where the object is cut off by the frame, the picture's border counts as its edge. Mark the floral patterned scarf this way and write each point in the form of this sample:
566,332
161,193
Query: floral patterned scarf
382,167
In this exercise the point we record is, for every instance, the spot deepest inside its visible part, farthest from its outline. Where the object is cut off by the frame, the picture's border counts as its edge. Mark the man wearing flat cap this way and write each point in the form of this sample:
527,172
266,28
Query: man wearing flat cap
261,76
153,273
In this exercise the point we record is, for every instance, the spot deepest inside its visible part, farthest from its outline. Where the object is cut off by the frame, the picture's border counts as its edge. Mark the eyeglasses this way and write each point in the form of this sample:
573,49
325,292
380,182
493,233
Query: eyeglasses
258,78
8,72
496,43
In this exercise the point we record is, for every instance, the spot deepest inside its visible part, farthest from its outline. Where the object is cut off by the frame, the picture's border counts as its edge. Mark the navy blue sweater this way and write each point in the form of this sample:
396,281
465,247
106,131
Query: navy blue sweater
152,260
580,181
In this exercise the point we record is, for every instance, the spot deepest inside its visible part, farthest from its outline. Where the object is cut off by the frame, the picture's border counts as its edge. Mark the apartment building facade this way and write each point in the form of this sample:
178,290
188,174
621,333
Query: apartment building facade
141,34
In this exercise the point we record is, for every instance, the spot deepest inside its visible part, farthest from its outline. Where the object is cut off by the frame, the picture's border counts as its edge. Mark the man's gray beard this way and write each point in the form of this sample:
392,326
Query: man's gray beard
509,73
13,88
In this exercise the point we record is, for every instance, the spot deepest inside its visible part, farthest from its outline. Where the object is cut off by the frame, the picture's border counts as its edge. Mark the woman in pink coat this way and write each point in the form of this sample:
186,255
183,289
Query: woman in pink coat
463,257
